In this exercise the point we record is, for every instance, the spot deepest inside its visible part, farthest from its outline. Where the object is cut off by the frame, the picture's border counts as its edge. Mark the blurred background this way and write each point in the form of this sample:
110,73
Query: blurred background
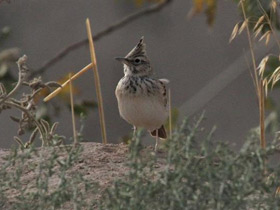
192,51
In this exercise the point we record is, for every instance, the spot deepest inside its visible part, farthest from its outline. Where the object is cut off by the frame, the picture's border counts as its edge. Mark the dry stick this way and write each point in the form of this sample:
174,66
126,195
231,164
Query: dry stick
72,111
97,84
21,61
250,72
78,74
259,83
262,109
170,114
251,46
117,25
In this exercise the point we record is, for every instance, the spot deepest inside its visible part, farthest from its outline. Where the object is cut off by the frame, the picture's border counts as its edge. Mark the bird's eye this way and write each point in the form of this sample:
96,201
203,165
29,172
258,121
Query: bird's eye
137,61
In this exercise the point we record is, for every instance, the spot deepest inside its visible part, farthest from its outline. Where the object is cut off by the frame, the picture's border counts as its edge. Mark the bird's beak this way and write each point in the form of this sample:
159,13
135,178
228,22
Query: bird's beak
123,60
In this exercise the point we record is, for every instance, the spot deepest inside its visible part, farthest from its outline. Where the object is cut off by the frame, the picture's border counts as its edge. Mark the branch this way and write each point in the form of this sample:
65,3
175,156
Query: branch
121,23
22,69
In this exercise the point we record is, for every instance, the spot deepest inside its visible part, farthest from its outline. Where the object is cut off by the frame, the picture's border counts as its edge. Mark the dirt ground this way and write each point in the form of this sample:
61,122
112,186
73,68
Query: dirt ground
97,162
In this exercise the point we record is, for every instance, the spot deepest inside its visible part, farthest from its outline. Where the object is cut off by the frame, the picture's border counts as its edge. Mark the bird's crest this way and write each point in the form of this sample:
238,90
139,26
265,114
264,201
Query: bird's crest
138,50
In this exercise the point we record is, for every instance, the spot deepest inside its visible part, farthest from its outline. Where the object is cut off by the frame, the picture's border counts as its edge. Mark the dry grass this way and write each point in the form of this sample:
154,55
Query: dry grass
75,76
97,84
258,81
72,110
92,65
170,113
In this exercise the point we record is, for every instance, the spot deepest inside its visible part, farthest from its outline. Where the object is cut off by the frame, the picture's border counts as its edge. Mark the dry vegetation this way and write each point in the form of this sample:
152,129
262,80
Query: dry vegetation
96,162
190,172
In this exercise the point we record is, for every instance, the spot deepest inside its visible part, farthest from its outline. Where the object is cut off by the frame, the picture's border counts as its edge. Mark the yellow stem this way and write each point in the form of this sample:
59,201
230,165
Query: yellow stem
258,82
75,76
170,114
97,84
251,46
72,111
262,115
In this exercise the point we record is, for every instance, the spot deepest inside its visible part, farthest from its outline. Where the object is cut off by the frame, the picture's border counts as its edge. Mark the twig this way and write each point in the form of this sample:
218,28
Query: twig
170,113
262,115
251,46
119,24
97,84
72,111
77,75
21,75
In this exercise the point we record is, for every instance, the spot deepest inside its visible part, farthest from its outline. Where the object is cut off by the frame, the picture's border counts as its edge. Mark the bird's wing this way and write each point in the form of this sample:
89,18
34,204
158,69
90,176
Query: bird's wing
163,93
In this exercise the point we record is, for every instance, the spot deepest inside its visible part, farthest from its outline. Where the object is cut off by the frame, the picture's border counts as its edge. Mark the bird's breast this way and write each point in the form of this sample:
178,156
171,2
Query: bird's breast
142,111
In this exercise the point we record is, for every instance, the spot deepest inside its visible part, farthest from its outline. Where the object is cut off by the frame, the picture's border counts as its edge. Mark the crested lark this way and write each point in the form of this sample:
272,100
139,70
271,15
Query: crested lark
142,99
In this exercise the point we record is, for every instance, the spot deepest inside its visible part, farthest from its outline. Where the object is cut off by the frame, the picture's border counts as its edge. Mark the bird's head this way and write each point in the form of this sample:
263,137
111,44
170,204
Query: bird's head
136,61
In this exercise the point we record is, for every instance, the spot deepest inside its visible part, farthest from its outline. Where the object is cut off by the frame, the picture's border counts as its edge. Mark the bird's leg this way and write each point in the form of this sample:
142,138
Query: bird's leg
157,138
134,132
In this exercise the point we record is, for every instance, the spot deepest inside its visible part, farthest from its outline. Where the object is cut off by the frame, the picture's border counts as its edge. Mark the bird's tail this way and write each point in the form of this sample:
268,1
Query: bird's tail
161,133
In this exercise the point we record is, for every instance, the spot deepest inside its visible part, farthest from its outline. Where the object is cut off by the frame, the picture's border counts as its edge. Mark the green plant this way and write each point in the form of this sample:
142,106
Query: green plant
54,183
193,172
198,174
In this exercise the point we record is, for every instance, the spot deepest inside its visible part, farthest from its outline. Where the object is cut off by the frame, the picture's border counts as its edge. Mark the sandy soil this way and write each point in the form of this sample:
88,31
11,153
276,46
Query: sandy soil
99,163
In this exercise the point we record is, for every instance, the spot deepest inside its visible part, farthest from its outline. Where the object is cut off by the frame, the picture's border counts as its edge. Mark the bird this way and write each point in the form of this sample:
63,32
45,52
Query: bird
142,99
